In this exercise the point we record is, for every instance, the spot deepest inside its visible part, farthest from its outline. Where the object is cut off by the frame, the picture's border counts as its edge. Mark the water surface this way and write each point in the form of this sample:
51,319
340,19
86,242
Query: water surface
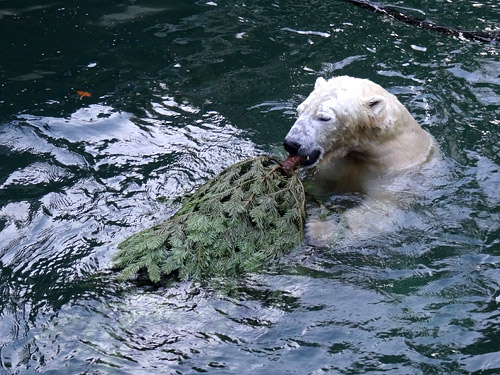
181,90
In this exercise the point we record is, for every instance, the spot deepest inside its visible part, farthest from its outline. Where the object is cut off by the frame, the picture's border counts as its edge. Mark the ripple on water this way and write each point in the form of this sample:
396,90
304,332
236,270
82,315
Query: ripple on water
179,93
85,175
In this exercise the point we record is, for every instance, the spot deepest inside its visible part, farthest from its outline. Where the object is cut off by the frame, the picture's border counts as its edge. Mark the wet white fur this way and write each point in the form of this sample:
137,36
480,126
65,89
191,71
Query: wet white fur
369,144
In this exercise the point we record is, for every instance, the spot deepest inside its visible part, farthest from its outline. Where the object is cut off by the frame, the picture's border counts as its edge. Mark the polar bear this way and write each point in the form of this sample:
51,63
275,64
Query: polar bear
354,137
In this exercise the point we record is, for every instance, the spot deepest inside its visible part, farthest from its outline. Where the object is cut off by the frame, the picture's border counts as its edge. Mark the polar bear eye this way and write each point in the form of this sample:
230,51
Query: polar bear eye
324,118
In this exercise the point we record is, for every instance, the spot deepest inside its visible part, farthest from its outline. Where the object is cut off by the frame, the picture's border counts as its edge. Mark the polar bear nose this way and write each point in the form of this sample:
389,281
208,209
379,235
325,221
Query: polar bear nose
292,147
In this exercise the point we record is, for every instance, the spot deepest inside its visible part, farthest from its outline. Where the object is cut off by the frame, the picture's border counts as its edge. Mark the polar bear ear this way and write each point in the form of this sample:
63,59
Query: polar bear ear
375,105
319,82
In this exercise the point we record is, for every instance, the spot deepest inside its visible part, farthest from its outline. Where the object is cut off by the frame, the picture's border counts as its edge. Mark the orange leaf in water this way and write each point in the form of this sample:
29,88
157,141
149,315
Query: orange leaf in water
83,94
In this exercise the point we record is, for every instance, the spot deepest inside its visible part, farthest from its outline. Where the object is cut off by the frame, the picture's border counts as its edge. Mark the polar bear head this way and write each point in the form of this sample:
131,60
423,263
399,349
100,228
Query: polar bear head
343,115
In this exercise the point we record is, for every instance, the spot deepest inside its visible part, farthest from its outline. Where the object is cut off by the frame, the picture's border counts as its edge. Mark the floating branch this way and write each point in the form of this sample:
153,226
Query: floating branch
484,37
237,222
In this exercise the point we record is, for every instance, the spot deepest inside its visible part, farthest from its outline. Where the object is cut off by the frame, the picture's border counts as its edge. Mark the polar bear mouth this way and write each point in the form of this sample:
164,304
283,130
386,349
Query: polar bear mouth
310,159
294,161
305,156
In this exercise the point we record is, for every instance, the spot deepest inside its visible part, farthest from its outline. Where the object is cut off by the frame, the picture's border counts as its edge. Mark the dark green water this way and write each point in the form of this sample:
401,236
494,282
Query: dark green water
180,90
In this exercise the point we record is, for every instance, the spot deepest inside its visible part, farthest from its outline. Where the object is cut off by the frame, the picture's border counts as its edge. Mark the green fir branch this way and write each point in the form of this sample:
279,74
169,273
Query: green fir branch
239,221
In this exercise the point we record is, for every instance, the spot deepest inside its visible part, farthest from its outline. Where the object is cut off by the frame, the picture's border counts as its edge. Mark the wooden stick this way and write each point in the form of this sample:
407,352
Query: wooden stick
484,37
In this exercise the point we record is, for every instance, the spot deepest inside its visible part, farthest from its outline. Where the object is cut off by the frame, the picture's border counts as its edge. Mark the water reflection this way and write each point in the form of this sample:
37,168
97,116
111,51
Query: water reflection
128,14
178,93
83,196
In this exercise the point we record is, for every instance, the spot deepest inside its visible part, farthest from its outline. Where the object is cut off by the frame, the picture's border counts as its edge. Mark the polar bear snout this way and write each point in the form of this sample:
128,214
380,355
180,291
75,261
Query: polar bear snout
291,146
307,157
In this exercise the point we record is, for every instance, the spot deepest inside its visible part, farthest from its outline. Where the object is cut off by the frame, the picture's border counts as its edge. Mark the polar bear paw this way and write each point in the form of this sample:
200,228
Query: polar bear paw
320,233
